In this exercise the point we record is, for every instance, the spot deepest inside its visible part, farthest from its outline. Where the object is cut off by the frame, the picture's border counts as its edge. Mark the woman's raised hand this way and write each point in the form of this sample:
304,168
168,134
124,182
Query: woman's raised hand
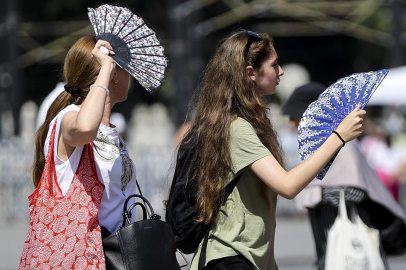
101,56
351,127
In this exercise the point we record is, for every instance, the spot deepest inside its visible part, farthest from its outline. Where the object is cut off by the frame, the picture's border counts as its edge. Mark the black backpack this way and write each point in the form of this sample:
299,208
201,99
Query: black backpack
181,208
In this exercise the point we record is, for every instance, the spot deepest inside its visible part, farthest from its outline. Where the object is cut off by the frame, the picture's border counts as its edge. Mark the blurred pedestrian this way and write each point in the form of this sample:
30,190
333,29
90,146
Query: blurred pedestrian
46,103
82,171
382,158
363,190
234,136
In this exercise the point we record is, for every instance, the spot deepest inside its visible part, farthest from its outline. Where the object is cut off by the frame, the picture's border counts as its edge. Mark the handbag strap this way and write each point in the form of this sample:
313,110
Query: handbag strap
51,181
139,190
227,192
127,211
342,210
138,186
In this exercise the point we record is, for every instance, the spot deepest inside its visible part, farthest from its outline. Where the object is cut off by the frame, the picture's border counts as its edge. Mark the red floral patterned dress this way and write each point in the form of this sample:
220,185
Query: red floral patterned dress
64,231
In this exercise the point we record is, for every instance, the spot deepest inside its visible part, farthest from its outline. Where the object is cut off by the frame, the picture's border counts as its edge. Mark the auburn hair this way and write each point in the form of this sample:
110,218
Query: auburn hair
80,70
227,92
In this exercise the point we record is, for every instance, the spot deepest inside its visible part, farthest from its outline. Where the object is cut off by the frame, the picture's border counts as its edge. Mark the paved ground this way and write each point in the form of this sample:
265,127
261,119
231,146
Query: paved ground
294,248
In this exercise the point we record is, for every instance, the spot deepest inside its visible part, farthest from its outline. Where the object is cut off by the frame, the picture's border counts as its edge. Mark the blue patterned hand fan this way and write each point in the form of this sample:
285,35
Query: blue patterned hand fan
333,105
136,46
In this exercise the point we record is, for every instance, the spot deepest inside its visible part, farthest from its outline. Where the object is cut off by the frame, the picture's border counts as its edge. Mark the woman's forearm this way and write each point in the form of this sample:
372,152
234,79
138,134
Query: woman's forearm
92,109
289,184
300,176
81,128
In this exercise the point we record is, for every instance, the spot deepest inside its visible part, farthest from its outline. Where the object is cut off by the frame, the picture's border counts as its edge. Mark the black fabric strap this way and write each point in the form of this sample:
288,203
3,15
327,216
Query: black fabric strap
227,191
338,135
202,257
138,186
139,190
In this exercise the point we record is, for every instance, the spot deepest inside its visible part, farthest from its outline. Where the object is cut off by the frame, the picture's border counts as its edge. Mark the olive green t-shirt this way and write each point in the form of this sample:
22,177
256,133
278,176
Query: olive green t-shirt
244,225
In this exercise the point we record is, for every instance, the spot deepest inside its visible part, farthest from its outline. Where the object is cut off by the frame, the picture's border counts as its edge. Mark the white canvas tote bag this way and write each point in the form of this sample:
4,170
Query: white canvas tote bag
352,246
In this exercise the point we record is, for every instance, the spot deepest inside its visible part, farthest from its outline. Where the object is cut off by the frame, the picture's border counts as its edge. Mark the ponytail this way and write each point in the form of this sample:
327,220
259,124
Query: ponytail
79,72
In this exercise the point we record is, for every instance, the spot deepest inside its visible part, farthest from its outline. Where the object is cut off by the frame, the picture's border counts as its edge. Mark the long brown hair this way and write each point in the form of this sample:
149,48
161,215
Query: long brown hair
80,70
227,92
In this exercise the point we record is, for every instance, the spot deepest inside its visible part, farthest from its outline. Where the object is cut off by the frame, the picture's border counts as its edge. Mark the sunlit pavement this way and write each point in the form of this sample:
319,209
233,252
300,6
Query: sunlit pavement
12,237
294,247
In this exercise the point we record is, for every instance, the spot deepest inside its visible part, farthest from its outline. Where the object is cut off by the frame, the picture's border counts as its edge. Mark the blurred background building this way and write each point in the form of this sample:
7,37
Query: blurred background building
319,40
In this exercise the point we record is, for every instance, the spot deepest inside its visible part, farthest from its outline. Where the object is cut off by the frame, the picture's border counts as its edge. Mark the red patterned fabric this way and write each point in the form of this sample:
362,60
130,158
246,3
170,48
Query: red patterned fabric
64,232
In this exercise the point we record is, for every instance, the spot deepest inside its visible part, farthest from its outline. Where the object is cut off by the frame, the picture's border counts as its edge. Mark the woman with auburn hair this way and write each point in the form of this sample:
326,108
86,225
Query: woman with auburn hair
82,171
234,136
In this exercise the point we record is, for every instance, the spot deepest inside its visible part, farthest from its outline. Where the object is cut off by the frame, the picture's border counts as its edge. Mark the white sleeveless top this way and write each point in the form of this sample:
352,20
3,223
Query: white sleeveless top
117,173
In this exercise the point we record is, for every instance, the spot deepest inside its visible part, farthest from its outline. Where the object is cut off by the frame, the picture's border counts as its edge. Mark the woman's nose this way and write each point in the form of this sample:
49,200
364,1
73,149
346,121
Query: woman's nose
281,71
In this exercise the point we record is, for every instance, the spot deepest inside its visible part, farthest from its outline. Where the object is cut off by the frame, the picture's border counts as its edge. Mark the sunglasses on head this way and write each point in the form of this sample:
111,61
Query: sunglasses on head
252,37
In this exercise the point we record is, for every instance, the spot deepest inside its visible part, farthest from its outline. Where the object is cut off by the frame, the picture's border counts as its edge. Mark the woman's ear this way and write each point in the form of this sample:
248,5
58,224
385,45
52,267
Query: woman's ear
115,77
250,72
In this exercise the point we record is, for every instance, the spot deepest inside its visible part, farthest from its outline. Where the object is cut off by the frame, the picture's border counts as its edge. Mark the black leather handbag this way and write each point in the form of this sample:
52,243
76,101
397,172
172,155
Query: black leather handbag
148,244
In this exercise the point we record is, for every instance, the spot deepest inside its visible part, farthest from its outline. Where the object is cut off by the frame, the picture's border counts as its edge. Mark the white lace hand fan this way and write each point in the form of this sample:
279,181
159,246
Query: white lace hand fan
136,47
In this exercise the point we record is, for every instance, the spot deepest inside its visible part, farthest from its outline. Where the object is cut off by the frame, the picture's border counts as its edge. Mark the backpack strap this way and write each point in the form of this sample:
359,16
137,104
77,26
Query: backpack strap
202,257
228,190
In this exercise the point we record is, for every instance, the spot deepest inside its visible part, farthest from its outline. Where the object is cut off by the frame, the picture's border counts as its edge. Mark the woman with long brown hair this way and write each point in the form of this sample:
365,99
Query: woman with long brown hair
82,171
235,137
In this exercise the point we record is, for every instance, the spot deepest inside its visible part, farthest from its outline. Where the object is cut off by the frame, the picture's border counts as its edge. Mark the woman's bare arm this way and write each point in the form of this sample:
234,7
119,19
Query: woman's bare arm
80,128
289,184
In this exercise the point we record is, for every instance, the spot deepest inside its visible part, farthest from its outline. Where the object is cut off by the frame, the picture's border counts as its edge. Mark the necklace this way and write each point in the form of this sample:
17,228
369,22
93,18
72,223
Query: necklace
126,165
107,150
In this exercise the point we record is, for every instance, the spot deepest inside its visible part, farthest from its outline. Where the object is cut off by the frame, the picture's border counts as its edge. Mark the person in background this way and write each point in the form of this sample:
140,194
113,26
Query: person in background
382,158
234,136
82,171
46,103
363,190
